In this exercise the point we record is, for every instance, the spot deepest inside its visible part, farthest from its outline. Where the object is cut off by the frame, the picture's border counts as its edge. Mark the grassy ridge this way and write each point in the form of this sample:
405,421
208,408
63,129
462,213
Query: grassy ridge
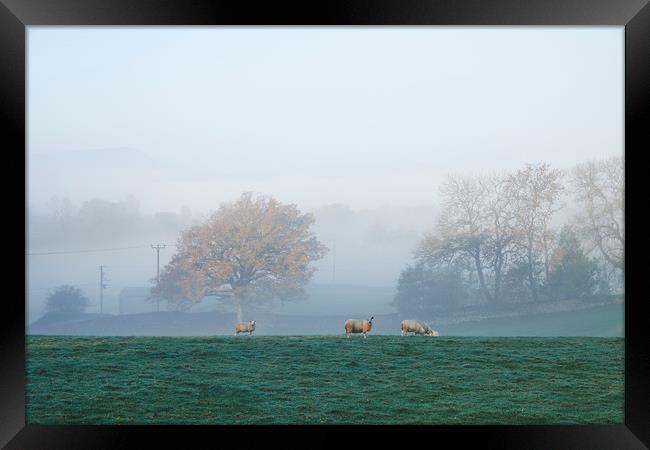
601,321
382,379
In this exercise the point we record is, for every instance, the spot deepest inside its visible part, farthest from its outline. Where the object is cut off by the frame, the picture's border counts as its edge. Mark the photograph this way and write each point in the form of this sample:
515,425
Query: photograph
384,225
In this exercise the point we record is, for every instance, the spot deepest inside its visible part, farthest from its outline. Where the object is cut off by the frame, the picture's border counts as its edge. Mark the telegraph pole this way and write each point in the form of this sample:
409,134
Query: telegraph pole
101,289
157,247
334,262
102,286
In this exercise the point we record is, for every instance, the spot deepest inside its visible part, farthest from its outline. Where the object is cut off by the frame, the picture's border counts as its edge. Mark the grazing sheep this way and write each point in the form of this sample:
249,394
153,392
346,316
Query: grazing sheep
417,327
245,328
358,326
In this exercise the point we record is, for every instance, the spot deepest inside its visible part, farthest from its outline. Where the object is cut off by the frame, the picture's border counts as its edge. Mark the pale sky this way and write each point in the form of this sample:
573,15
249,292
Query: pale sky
364,116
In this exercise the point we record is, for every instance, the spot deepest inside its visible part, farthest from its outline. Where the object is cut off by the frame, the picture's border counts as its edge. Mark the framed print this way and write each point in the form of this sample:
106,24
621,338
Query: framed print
339,221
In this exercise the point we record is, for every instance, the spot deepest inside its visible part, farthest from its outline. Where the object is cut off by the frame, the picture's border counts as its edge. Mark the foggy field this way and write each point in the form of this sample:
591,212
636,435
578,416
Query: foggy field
317,379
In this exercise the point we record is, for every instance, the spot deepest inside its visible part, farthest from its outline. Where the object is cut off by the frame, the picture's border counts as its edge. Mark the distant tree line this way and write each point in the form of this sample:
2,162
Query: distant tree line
497,239
99,220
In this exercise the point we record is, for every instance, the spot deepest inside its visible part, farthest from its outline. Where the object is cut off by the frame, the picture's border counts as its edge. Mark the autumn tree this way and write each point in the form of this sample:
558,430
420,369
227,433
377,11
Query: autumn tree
600,191
250,252
180,286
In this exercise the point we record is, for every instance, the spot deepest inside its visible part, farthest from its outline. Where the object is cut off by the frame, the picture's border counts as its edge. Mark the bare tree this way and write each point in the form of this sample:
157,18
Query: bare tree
534,190
461,230
499,217
600,191
497,229
474,230
548,242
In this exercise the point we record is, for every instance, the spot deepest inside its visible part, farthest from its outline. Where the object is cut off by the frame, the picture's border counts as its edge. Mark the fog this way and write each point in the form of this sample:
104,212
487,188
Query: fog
359,116
367,248
136,133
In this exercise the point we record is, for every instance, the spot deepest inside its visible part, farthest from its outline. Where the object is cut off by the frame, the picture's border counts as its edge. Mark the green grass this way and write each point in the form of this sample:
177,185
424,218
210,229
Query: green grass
602,321
324,379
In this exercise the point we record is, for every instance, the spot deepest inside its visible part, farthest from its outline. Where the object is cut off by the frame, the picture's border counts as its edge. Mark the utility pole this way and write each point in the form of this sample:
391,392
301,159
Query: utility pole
157,247
334,262
102,286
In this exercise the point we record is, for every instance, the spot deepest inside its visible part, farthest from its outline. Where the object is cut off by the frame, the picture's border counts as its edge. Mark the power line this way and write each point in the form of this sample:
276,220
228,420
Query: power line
334,262
86,251
65,252
55,287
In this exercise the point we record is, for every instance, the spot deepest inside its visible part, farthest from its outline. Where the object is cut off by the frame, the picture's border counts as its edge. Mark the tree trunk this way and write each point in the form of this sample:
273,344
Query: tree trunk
531,277
497,284
240,314
498,267
481,278
238,306
546,260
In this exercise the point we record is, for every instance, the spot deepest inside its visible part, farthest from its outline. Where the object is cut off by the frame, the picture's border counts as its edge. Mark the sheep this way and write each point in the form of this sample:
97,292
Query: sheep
417,327
358,326
245,328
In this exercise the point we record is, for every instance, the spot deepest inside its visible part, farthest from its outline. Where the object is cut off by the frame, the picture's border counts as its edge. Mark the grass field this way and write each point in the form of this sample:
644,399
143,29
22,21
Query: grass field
601,321
324,379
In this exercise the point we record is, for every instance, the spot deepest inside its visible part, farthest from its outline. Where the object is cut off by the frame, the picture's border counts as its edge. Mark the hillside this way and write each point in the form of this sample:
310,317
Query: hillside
600,320
603,321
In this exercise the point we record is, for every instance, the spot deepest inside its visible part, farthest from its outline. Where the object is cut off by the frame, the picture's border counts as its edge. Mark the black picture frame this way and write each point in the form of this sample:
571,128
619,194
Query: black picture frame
634,15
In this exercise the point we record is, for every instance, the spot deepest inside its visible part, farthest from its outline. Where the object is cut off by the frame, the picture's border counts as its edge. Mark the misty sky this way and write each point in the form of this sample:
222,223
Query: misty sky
363,116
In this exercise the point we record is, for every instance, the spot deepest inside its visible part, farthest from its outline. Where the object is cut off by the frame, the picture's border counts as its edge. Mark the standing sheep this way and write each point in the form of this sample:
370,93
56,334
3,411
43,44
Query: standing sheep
245,328
358,326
